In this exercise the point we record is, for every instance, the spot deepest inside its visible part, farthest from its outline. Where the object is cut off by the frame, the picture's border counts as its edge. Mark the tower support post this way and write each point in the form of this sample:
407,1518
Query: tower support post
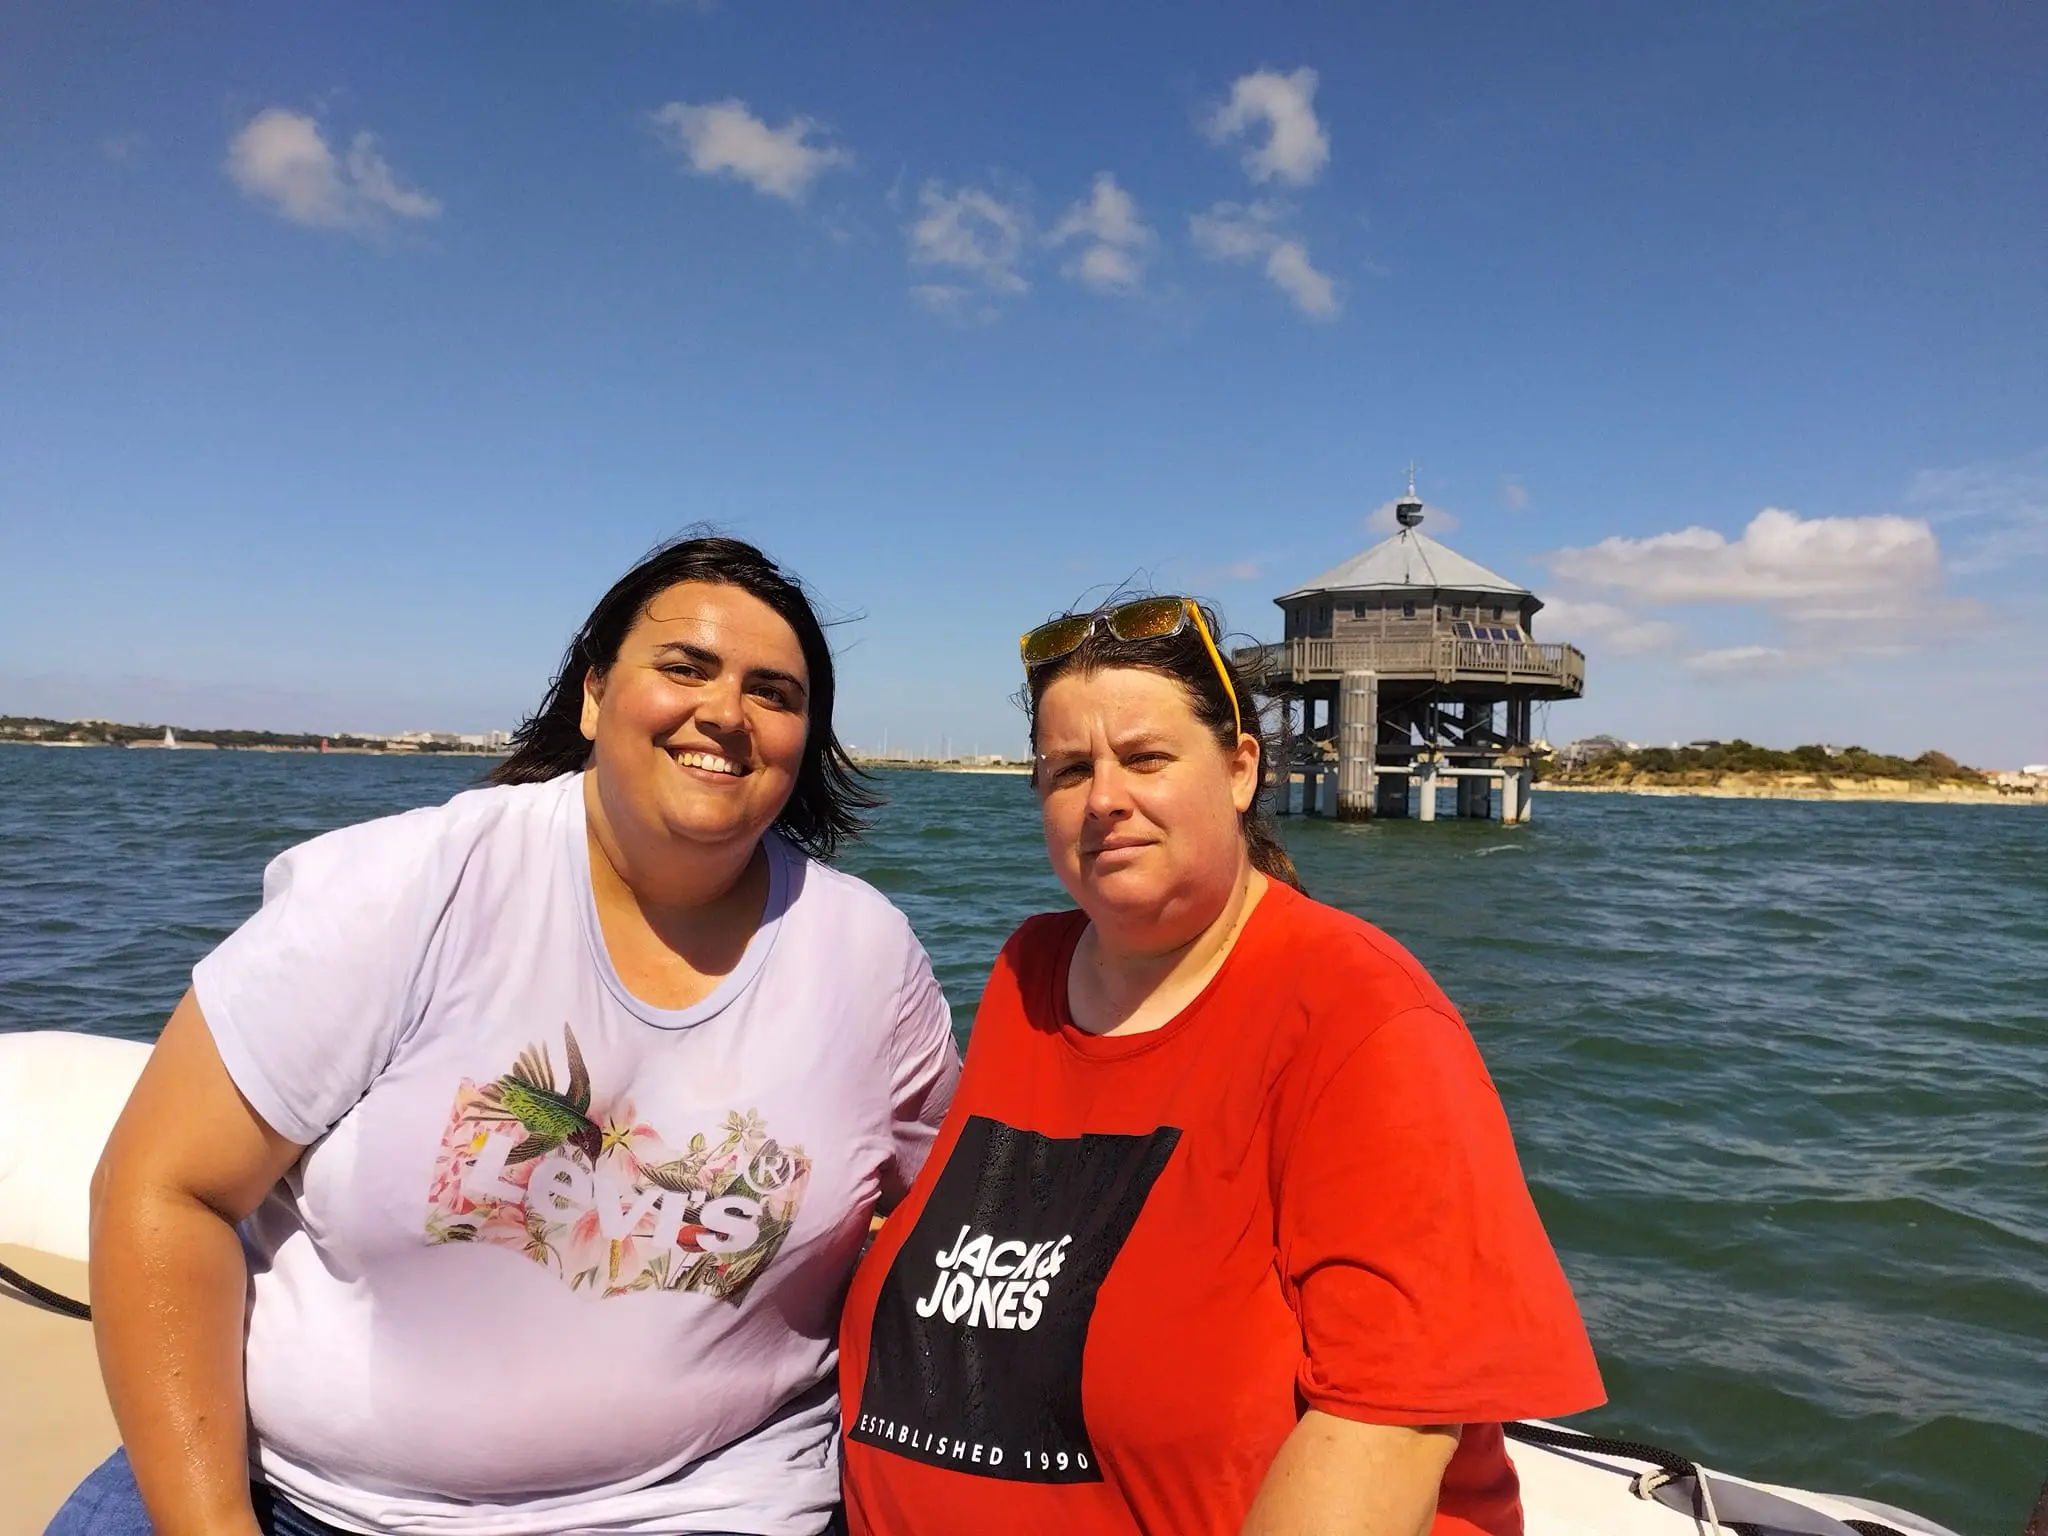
1425,783
1475,797
1511,796
1283,779
1357,739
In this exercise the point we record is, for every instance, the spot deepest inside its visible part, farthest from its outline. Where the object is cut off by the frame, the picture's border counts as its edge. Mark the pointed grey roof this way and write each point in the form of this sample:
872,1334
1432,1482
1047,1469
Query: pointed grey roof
1410,559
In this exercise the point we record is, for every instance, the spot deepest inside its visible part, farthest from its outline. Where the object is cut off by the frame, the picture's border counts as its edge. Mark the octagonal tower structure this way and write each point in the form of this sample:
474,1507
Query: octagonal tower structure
1404,667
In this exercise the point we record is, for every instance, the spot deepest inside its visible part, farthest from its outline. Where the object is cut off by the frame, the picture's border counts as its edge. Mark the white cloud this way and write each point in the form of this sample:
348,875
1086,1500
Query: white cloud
1435,519
1824,568
1245,232
1295,149
973,231
1513,494
725,139
1606,627
1313,293
121,148
1115,240
283,158
1739,660
1236,231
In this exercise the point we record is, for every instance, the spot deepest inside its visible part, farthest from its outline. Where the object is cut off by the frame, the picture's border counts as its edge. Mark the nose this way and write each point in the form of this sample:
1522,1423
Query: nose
1108,796
718,705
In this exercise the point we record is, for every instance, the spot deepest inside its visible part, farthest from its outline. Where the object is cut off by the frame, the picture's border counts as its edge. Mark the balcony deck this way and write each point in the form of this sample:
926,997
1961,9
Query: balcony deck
1541,671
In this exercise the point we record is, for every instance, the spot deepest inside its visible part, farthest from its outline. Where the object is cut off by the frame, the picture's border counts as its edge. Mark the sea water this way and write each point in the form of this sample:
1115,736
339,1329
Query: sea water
1778,1070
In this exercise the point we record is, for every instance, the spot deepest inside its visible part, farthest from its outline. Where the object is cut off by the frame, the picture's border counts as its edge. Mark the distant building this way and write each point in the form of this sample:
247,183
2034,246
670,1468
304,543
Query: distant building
1574,755
1403,667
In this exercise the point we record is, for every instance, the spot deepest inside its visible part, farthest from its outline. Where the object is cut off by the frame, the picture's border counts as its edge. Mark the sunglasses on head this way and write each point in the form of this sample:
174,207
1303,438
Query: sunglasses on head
1145,618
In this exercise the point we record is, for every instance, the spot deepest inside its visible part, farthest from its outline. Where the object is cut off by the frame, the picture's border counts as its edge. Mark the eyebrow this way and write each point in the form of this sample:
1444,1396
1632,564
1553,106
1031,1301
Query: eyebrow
1136,741
705,656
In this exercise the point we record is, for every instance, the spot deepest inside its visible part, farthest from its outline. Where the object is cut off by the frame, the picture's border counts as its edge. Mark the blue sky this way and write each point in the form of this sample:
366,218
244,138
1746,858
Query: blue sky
347,354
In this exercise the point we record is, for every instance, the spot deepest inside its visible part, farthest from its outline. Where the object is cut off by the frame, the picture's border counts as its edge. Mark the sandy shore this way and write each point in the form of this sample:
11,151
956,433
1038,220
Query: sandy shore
1798,787
54,1422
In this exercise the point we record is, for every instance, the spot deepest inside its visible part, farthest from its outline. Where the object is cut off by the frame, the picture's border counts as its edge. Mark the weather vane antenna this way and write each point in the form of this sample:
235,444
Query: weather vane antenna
1408,510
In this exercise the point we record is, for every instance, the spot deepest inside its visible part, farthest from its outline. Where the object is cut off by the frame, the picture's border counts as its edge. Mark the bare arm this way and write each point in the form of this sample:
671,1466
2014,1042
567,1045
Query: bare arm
1336,1477
187,1160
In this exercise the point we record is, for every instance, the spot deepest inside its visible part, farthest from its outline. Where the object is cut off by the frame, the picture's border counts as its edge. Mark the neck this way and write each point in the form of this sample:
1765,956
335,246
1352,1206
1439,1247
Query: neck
1125,982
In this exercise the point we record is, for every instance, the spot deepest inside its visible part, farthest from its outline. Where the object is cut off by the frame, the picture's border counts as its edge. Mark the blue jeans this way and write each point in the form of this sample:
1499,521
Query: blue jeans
108,1503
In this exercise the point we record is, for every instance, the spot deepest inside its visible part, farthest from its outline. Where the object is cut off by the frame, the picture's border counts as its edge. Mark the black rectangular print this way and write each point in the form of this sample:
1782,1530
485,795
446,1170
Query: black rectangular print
975,1358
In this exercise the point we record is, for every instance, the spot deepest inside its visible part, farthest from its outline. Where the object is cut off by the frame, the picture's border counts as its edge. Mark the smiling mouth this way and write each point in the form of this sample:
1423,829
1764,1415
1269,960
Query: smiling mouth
710,762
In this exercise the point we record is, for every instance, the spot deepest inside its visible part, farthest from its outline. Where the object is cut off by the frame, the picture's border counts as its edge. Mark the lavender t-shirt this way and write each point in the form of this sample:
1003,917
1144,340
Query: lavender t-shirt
556,1260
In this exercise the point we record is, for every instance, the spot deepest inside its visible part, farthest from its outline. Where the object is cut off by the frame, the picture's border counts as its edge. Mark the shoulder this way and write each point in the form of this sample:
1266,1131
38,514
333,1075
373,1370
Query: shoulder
418,844
1346,986
862,927
1335,959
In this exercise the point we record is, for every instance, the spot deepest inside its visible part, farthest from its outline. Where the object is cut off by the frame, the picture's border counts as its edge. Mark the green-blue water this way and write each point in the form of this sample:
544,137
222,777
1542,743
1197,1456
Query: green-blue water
1778,1071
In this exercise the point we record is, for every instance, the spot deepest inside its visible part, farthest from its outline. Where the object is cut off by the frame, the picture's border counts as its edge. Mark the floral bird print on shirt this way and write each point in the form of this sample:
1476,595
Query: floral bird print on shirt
602,1200
527,1096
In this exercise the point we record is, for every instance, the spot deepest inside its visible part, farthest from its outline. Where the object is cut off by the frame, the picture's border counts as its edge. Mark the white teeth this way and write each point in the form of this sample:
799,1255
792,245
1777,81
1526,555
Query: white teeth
710,761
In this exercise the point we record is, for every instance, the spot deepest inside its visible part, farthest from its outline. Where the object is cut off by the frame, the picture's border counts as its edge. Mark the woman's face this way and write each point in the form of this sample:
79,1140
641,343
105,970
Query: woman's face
1140,803
699,726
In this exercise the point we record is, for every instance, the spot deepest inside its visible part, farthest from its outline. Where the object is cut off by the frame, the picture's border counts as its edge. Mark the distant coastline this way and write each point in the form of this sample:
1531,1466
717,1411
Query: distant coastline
36,731
1772,786
1741,770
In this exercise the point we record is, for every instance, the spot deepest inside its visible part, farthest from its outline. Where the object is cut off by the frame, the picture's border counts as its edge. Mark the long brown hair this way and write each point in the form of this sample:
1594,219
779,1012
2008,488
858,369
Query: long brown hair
831,793
1184,658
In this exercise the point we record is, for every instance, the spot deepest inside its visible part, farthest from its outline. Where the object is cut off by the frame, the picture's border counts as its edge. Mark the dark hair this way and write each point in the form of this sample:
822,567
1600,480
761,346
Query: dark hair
1184,658
830,793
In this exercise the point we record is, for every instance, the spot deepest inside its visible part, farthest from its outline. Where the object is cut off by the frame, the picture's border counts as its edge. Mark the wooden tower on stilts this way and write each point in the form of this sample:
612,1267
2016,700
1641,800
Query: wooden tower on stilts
1407,667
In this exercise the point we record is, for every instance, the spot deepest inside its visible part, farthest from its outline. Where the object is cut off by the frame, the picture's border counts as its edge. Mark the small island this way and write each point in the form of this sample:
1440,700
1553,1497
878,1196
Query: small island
1742,770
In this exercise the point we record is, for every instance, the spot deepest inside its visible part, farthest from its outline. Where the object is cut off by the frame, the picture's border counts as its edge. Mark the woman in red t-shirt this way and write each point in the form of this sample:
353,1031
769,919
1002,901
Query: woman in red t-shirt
1225,1230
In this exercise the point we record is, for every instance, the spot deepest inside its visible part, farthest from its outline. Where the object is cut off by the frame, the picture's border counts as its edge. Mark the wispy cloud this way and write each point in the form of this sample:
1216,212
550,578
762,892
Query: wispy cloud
1607,627
723,138
122,148
1746,661
1513,494
1294,149
1114,241
1999,510
282,158
1248,232
973,232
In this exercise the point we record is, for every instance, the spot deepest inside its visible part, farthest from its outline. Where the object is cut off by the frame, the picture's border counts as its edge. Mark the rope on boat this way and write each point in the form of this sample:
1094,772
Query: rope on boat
43,1294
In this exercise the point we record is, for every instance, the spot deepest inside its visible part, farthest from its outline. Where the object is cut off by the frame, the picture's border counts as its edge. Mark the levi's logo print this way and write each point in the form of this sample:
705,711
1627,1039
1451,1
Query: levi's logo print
581,1186
975,1358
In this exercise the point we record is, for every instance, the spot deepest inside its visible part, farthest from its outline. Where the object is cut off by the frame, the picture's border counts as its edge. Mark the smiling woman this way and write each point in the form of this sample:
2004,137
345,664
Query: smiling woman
601,1058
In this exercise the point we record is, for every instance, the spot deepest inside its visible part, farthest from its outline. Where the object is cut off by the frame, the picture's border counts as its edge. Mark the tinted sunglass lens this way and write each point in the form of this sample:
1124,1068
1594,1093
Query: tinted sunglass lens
1051,641
1147,619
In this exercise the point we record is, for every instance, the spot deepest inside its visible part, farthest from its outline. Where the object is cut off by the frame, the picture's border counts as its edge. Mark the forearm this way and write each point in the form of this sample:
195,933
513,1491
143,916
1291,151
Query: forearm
168,1288
1335,1477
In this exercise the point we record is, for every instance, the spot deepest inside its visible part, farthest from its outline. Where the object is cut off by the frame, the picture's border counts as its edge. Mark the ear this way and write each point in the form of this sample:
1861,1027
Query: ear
1244,773
593,696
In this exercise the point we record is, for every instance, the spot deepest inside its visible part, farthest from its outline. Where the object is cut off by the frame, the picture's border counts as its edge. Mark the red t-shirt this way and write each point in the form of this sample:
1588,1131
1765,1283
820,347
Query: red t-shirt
1132,1261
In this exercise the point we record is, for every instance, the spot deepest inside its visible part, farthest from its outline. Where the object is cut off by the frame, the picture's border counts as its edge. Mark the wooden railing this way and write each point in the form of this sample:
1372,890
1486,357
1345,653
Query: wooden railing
1442,657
